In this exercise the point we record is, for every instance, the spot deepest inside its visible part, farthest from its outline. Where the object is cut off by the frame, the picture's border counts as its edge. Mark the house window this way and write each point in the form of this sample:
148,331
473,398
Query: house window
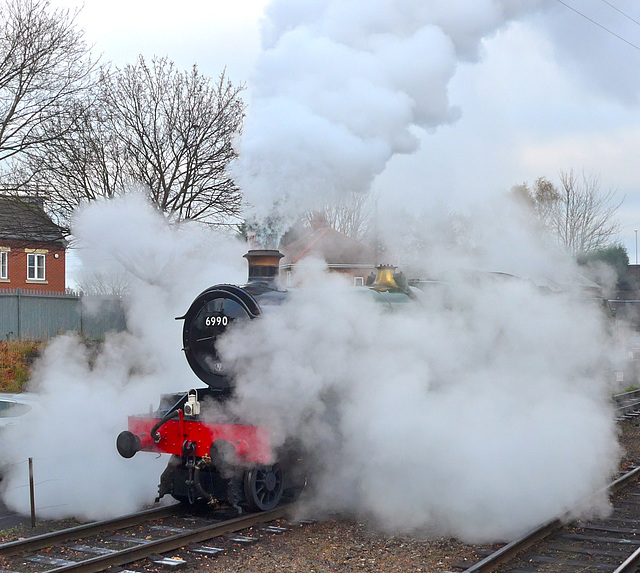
358,281
4,265
35,267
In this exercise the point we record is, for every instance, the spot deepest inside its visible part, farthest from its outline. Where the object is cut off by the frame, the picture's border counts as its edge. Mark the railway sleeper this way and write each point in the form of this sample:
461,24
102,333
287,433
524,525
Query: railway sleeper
612,554
597,539
571,563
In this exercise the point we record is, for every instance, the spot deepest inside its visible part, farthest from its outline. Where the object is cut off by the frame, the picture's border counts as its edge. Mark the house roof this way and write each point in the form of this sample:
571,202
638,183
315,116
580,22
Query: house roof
334,247
24,219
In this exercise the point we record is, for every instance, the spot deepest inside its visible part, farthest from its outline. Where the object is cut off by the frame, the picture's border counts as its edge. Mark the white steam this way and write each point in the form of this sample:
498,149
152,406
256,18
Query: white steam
479,411
341,85
87,393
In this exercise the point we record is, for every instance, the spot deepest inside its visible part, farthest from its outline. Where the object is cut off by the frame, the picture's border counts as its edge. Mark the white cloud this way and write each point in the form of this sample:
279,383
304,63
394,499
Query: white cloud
613,152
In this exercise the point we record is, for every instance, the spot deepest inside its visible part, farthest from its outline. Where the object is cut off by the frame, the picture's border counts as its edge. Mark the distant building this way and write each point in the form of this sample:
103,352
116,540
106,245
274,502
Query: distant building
342,254
631,283
32,247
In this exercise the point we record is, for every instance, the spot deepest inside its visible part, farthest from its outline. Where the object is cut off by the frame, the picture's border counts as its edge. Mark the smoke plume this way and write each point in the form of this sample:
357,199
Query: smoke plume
341,86
479,410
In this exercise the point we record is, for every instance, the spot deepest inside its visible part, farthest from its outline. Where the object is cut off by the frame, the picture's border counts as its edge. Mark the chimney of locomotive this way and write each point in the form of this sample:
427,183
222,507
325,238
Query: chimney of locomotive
264,265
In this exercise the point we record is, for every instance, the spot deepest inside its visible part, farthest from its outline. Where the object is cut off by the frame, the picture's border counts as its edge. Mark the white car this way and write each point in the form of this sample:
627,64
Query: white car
14,406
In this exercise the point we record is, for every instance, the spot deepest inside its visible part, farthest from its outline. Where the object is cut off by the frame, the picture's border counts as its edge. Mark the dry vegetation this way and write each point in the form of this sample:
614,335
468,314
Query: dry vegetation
16,358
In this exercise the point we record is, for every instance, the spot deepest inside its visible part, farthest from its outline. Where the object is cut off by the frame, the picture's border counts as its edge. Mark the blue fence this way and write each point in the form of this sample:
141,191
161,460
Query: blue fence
32,315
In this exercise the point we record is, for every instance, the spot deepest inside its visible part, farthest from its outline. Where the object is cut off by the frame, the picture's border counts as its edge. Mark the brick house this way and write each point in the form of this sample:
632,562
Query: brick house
32,247
342,254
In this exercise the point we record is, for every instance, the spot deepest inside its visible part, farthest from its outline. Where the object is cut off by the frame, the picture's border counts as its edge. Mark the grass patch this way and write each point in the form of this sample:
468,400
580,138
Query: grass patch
628,389
16,358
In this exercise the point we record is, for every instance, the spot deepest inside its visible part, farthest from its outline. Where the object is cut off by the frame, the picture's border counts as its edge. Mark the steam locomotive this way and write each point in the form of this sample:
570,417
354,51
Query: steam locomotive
215,459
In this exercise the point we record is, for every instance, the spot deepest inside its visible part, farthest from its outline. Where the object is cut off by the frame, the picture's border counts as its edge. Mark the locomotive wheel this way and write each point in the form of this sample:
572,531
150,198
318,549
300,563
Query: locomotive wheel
263,487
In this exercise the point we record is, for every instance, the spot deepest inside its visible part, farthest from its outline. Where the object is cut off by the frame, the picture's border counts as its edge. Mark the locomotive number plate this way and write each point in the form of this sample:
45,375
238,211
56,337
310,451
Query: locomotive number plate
219,320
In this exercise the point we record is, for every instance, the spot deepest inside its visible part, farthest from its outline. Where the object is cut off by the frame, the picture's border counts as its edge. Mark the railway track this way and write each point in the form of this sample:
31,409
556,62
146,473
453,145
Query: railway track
610,545
627,404
607,545
580,547
101,545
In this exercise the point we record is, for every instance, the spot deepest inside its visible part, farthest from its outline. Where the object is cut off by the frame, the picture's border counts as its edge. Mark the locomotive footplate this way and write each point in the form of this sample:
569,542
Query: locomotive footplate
247,444
208,461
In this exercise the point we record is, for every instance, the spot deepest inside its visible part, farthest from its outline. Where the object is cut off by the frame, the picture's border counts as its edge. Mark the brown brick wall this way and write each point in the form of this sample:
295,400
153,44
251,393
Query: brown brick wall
17,258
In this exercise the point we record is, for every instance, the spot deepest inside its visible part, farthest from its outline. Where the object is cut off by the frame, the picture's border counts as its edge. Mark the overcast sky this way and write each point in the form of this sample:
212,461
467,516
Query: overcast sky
546,90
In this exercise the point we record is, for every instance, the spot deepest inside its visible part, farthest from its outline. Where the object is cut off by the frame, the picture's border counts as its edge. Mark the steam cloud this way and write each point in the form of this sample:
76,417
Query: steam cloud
340,87
479,411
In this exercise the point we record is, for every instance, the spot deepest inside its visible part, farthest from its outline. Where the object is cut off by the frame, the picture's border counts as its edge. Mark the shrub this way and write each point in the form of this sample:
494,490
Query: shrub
16,358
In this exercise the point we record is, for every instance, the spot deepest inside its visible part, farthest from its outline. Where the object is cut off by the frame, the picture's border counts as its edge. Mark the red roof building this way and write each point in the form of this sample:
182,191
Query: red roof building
342,254
32,247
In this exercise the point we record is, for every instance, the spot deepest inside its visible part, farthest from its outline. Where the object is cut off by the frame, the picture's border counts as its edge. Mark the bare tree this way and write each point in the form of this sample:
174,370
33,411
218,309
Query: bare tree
579,214
84,163
149,126
104,283
584,220
44,63
179,129
353,215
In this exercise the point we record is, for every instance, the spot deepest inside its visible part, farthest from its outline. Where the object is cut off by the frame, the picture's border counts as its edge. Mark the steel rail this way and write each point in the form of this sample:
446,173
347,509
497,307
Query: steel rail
624,480
623,408
631,563
86,530
627,402
511,550
630,395
172,543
